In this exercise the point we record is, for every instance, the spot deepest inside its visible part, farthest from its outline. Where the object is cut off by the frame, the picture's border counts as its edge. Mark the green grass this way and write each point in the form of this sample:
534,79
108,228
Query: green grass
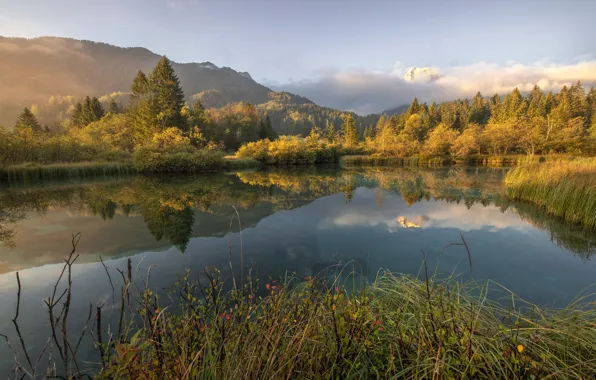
373,160
235,163
511,159
35,172
564,188
397,327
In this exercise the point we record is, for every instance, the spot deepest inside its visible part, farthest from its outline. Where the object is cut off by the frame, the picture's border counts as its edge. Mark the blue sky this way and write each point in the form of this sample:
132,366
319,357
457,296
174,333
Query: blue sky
296,45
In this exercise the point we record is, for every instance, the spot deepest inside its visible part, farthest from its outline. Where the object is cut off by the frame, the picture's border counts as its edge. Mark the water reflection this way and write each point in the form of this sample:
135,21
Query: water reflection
127,216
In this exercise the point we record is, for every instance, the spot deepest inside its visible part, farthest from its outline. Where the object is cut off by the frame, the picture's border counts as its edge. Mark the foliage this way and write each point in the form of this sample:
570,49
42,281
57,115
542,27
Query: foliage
291,150
535,124
173,161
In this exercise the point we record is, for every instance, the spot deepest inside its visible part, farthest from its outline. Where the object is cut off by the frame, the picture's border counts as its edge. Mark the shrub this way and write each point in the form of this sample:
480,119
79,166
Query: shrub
186,161
290,150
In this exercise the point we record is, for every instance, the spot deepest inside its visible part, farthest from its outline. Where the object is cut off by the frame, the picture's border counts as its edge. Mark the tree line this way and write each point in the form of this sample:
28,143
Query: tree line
537,123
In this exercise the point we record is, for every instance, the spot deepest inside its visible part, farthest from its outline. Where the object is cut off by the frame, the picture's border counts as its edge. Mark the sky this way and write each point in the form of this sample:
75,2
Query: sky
350,54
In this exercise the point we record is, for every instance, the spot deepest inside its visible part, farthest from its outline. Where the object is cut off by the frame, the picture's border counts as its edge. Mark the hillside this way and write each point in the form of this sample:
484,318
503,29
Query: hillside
50,74
32,70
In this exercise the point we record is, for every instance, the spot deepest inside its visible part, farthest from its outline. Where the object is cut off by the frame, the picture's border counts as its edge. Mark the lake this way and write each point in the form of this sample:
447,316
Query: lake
278,222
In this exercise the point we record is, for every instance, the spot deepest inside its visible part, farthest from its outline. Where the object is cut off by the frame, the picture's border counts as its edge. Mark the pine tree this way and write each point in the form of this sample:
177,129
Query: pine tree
330,131
97,110
479,112
271,134
27,120
536,102
414,107
169,97
350,131
76,120
139,88
113,107
141,113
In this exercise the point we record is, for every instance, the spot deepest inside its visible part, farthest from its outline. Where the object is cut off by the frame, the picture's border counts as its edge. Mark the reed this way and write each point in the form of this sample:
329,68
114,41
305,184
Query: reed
375,160
564,188
34,172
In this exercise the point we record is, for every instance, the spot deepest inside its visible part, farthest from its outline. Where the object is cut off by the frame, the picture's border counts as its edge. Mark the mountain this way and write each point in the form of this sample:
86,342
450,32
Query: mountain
32,70
397,110
50,74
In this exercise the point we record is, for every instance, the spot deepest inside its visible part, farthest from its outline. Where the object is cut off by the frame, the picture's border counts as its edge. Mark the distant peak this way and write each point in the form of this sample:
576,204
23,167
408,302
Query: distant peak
245,74
208,65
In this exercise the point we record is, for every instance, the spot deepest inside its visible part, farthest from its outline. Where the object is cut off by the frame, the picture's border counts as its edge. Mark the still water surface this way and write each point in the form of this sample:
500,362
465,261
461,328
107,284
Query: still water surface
292,220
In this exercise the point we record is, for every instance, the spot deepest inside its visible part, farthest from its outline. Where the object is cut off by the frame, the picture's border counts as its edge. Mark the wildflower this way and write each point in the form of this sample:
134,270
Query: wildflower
267,286
520,348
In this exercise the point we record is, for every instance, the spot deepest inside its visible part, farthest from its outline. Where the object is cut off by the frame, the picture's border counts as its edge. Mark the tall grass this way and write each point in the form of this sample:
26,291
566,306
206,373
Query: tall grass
564,188
374,160
398,327
512,159
35,172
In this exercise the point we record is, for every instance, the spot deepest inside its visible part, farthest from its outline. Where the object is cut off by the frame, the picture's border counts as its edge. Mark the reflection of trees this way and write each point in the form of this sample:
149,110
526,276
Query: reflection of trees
165,222
575,238
168,204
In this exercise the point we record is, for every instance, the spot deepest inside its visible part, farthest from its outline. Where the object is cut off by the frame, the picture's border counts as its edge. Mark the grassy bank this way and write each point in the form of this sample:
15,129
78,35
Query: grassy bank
398,327
36,172
564,188
200,161
372,160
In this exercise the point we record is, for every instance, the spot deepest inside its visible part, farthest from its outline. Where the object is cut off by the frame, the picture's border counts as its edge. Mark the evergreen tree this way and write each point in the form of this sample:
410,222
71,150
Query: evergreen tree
139,88
350,131
76,120
330,131
198,115
266,130
169,97
97,110
113,107
536,103
414,107
479,112
27,120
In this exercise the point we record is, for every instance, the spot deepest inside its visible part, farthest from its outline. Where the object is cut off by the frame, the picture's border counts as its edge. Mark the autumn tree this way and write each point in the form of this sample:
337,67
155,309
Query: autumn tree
350,131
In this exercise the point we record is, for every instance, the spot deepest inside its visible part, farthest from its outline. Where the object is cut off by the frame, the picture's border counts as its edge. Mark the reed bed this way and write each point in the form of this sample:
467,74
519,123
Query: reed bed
373,160
34,172
564,188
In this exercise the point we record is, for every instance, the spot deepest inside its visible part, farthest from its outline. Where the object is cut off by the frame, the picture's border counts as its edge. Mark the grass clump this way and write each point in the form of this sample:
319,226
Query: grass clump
398,327
380,160
235,163
36,172
564,188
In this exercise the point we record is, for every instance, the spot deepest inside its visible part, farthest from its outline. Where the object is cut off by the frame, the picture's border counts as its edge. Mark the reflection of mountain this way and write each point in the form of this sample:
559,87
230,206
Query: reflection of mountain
140,214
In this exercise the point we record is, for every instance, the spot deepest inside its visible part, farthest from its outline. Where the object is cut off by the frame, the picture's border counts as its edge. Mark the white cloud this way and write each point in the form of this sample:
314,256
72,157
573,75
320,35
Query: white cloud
374,91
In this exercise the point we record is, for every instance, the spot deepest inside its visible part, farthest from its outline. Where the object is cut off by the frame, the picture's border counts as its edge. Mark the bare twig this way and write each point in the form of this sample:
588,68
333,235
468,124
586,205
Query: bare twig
109,277
16,325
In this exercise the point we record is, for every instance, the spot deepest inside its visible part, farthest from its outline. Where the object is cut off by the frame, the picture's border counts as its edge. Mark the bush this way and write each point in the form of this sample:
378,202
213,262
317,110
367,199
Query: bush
187,161
290,150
